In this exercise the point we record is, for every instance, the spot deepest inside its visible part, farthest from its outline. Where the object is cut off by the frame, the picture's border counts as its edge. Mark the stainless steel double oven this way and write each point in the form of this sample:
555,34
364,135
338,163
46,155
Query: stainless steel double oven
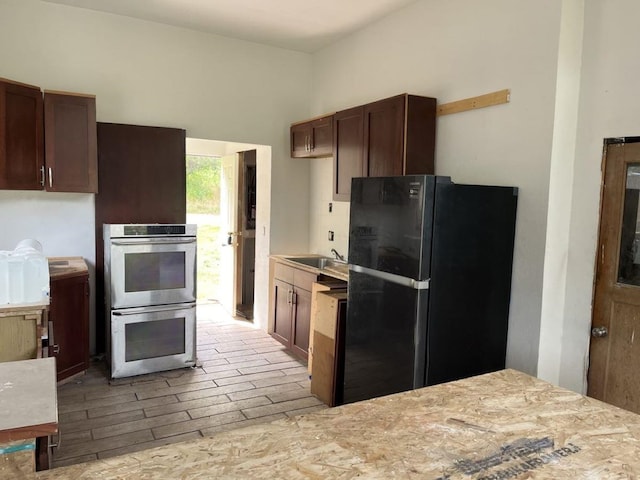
150,297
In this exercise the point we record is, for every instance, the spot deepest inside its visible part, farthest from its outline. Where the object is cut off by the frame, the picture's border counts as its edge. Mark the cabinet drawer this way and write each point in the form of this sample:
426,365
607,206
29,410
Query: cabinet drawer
303,280
284,272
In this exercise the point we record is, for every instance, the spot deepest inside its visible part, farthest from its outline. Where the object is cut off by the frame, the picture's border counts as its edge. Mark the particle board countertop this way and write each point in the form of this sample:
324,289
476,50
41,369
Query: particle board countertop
495,426
28,399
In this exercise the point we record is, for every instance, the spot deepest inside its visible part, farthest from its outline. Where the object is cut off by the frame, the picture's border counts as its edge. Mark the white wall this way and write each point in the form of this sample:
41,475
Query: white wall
561,181
609,107
323,221
453,50
151,74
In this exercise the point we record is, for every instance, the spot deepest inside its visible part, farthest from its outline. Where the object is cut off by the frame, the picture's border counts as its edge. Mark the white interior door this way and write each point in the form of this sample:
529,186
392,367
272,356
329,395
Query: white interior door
228,231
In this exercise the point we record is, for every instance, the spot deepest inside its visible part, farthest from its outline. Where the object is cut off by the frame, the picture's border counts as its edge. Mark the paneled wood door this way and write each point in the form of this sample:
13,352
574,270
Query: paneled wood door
614,355
141,179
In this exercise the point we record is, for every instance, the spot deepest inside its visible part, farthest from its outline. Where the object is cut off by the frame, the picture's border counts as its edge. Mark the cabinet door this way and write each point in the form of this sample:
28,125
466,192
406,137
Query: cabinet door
301,322
282,328
322,137
70,143
384,137
301,140
347,151
21,136
69,317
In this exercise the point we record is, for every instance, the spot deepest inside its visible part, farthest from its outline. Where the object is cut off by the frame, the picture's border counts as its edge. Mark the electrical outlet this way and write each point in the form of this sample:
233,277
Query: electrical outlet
330,235
330,207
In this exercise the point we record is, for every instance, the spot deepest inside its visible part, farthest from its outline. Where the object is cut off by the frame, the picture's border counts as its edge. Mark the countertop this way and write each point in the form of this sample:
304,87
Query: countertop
495,426
65,267
28,399
339,273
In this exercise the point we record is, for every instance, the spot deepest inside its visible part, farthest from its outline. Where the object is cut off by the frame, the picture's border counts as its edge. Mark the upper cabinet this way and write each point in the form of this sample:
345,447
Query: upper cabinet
70,142
394,136
21,136
312,138
348,145
47,144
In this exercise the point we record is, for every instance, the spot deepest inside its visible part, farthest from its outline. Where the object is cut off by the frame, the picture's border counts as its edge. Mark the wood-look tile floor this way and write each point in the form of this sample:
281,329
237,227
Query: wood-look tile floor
243,377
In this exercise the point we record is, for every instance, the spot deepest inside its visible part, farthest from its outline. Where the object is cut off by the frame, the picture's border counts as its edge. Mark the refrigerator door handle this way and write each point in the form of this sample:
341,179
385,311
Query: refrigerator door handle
391,277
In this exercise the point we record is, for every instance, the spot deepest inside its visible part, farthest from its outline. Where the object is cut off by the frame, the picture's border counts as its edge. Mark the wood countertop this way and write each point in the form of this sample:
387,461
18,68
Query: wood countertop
496,426
28,399
65,267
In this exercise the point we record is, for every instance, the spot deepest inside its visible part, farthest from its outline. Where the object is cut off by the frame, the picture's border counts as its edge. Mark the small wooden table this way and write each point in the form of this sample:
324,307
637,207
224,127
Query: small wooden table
28,410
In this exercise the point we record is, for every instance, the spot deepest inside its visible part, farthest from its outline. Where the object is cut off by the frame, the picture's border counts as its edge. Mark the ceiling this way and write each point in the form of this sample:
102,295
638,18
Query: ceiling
302,25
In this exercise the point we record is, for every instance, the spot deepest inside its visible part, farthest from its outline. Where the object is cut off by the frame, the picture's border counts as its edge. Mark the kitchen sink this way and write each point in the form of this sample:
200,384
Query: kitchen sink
321,263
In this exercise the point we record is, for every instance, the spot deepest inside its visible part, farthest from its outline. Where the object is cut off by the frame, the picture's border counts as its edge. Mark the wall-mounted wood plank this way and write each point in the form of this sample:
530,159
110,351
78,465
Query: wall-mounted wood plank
488,100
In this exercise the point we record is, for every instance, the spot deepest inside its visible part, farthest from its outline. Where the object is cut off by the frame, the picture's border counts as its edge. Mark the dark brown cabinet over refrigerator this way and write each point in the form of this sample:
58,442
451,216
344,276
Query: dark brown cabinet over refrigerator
429,282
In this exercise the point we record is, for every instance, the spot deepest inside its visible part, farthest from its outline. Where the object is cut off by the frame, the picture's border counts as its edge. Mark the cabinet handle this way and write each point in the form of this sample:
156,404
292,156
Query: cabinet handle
58,442
55,348
50,177
42,175
294,298
290,297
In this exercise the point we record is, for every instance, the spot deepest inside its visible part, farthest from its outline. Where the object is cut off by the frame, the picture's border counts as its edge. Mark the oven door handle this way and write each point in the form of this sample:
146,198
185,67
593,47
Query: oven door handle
163,308
154,241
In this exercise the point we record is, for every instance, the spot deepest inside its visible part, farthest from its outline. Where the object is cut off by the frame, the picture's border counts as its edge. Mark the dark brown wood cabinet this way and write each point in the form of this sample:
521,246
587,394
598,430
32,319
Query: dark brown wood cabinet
142,179
69,320
394,136
301,321
21,136
292,308
47,143
312,138
70,142
282,292
348,146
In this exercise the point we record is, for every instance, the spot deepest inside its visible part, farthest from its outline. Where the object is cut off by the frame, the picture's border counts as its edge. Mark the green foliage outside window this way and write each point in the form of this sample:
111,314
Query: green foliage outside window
203,198
203,185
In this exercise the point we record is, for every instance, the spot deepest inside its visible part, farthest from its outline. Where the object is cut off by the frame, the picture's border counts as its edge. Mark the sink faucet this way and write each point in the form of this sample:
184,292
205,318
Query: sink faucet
337,255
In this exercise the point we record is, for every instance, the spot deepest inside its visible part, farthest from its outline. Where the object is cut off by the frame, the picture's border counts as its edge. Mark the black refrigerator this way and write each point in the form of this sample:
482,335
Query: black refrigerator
429,282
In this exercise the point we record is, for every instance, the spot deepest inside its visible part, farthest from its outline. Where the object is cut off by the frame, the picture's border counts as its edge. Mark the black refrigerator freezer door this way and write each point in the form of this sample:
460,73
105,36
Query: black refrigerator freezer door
390,224
385,338
470,287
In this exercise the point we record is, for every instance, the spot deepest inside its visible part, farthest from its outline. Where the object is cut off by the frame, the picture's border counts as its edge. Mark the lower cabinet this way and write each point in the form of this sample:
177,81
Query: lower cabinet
292,308
69,323
327,374
283,307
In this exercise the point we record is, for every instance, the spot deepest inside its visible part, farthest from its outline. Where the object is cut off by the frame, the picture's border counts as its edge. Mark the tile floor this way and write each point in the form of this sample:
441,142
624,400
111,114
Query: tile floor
244,377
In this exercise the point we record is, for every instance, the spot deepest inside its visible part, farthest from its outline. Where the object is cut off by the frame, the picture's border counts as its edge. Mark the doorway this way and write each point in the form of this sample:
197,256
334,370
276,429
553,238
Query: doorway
614,355
222,194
